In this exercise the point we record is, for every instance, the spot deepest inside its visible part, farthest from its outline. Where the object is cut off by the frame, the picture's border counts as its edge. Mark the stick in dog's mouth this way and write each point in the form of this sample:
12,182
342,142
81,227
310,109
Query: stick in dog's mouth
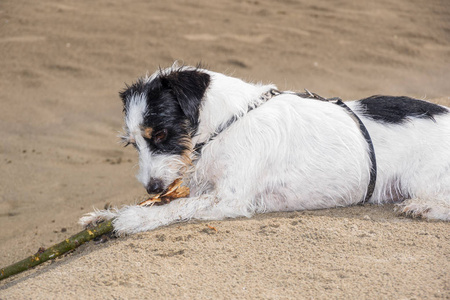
175,190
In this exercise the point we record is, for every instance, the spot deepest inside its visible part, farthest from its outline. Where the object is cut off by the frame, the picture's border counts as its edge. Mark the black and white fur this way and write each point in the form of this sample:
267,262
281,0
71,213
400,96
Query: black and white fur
242,154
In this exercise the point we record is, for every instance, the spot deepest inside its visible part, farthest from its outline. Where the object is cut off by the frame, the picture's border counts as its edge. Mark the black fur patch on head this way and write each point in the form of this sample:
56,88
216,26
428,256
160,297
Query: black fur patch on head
140,87
173,103
189,87
395,110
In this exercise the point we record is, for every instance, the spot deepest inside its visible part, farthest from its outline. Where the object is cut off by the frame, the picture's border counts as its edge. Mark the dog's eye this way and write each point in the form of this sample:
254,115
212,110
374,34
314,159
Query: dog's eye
160,136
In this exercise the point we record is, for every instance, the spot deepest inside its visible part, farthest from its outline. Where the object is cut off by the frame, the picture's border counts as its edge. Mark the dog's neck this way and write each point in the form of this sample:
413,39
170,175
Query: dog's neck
226,98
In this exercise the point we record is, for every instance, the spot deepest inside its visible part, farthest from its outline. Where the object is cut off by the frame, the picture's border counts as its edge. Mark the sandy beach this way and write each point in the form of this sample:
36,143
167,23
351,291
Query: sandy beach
62,65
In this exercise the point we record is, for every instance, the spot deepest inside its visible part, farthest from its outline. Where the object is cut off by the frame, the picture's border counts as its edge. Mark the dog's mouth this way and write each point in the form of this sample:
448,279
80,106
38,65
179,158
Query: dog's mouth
173,191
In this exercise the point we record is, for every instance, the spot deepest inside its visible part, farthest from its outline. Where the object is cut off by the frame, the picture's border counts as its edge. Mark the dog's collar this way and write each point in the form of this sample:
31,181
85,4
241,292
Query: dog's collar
262,99
308,95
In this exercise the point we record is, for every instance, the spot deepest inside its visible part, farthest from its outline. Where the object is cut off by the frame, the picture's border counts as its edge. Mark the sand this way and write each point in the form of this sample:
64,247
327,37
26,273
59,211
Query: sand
61,68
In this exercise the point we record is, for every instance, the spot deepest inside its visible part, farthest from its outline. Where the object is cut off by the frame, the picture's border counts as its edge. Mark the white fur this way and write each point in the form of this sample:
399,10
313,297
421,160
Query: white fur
290,154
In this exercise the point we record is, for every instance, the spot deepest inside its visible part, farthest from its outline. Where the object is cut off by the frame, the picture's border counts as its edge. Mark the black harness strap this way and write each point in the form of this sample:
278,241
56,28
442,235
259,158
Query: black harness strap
362,128
338,101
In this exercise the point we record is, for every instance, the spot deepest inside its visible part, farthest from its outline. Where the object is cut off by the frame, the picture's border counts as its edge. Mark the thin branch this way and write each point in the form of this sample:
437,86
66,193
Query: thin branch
56,250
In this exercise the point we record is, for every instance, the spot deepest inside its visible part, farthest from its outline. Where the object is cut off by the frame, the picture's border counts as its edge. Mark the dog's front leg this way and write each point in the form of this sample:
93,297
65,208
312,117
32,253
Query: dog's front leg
133,219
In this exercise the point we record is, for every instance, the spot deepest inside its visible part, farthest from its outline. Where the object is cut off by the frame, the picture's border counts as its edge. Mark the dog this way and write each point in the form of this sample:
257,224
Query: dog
246,148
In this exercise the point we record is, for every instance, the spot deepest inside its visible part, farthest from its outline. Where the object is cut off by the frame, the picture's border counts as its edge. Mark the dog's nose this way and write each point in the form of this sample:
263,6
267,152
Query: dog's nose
155,186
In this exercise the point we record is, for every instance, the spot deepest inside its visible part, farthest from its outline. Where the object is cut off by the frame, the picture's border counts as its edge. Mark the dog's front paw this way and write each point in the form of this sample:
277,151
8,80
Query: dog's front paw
97,216
134,219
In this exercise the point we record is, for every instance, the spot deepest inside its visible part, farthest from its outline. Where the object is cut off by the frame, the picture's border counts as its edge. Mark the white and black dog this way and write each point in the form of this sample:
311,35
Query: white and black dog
246,148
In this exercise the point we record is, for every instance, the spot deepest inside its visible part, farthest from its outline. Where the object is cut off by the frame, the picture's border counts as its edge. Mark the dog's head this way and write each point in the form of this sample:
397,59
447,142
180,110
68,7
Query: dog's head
161,117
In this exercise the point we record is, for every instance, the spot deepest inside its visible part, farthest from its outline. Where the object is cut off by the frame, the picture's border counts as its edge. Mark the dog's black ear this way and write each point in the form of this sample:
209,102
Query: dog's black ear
189,87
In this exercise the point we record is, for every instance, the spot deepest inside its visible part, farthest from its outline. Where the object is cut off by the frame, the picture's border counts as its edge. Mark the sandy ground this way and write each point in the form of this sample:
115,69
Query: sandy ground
62,65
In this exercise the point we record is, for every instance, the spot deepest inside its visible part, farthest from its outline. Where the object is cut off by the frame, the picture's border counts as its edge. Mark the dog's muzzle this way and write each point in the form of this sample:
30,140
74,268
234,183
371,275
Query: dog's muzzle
155,186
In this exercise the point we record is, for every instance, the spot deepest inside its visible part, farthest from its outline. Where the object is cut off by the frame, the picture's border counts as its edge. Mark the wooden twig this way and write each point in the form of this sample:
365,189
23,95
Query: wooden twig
175,190
57,250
